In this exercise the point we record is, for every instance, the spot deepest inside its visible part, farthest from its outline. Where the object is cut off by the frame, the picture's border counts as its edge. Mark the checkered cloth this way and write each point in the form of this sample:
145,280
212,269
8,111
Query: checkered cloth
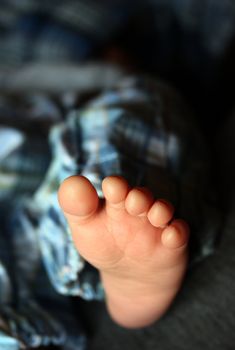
55,31
166,35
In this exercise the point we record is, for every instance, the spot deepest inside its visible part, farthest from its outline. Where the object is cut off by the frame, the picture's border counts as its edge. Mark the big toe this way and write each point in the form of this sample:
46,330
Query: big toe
77,197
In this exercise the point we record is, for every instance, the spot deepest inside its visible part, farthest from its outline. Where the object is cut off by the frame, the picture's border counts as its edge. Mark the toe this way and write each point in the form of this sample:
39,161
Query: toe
115,189
77,197
138,201
175,235
160,213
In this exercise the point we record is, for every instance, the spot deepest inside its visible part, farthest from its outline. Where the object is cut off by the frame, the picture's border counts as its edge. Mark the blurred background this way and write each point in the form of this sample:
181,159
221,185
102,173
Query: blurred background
190,43
56,55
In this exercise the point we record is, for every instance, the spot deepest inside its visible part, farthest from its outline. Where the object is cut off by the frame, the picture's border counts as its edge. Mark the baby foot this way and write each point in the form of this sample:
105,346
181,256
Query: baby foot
127,236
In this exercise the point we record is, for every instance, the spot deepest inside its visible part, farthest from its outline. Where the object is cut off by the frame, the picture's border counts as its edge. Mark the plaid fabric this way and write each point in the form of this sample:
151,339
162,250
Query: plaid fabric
55,31
166,34
25,119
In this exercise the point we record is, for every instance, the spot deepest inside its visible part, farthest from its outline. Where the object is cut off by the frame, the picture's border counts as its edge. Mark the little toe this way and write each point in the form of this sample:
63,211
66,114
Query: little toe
175,235
160,213
138,201
115,189
77,197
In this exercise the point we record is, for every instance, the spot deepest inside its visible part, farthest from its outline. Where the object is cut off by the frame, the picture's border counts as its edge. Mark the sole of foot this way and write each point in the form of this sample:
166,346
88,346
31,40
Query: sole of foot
134,242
